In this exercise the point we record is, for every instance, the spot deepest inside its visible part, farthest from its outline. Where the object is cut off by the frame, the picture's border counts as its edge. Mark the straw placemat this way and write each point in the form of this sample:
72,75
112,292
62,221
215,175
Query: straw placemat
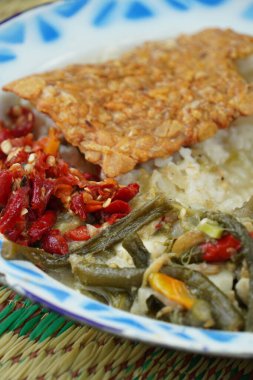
36,343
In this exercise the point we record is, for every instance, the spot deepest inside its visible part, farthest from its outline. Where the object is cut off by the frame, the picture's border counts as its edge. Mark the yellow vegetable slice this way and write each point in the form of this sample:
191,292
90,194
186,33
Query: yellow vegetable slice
171,288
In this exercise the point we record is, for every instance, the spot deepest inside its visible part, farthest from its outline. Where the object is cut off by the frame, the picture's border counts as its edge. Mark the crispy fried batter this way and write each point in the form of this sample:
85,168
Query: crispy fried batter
148,103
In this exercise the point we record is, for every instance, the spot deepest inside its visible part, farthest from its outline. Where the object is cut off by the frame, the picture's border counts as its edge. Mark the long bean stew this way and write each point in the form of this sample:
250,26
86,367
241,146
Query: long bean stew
144,253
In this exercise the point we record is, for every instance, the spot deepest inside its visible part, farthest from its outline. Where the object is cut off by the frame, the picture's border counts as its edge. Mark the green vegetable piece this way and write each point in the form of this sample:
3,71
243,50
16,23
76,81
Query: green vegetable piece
37,256
225,314
237,229
200,315
119,298
137,250
104,276
129,224
210,228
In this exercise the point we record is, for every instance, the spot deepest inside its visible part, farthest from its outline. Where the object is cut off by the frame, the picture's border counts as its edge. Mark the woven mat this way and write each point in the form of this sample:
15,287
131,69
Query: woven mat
36,343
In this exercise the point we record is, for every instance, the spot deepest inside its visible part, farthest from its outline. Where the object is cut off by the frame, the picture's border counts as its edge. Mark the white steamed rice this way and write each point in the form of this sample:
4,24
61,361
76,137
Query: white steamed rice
215,174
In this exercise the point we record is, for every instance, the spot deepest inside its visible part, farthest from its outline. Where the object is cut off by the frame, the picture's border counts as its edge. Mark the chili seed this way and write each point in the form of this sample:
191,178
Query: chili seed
6,146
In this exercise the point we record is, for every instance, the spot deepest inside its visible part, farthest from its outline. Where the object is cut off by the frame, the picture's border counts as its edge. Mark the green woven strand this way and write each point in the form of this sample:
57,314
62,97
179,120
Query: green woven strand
55,326
43,325
7,310
27,302
65,327
9,307
26,314
10,319
30,324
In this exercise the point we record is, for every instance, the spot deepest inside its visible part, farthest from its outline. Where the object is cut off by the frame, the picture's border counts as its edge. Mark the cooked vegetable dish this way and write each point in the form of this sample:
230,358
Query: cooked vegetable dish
149,241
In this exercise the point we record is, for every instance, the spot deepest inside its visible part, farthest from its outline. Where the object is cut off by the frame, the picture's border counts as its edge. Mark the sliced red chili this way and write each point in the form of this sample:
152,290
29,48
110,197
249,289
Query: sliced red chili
118,207
23,120
93,206
66,180
78,234
54,242
18,233
102,189
61,169
41,164
5,186
12,211
77,205
222,250
111,219
127,193
51,184
42,225
19,158
42,190
5,134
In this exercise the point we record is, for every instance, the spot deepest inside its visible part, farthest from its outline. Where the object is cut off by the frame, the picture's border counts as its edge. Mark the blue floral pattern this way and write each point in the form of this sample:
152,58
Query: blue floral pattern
6,55
70,8
47,31
27,43
15,34
104,14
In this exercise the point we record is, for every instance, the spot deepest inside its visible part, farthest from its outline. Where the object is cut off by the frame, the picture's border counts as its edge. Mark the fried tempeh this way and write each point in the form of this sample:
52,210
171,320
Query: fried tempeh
148,103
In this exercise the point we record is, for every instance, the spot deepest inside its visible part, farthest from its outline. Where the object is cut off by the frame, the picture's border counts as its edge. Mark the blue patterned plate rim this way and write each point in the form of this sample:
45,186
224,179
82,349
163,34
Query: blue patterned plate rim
50,29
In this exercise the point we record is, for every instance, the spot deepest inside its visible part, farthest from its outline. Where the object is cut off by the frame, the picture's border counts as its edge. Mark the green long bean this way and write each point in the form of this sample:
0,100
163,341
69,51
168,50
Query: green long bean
37,256
102,275
226,315
137,250
237,229
131,223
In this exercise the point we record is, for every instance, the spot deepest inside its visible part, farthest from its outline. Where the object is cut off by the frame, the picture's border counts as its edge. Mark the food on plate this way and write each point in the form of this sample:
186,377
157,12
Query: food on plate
39,190
171,239
148,103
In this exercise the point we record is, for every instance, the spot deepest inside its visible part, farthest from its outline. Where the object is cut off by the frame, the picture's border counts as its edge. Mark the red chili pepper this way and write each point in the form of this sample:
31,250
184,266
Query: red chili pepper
41,226
114,217
5,186
41,164
42,190
19,158
127,193
23,120
102,189
78,234
117,207
12,211
66,180
93,206
221,250
61,169
77,205
5,134
54,242
20,142
15,234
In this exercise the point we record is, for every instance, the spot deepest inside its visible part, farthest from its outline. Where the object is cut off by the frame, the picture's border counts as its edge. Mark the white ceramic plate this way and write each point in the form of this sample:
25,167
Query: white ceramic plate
82,30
